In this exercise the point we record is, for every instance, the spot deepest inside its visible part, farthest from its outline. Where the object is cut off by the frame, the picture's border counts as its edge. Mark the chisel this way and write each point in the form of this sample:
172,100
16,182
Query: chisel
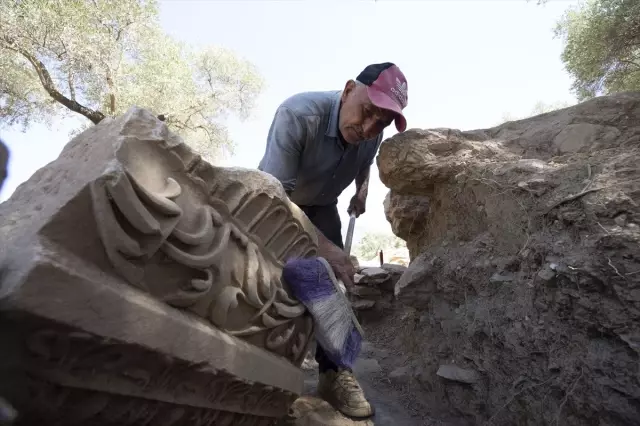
349,239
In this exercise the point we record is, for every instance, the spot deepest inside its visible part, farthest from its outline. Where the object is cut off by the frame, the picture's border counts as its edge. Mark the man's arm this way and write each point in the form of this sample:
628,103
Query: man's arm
358,202
284,145
340,262
362,182
362,179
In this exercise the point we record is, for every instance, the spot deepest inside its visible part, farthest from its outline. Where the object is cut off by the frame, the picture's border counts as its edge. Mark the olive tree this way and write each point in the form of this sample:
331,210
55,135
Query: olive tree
97,58
602,46
372,242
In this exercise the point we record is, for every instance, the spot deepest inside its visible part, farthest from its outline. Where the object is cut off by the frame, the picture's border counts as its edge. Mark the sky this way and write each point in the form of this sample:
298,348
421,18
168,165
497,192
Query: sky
467,63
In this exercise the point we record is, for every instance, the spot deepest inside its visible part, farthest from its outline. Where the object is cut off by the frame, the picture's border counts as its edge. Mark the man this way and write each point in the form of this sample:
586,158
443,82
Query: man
318,143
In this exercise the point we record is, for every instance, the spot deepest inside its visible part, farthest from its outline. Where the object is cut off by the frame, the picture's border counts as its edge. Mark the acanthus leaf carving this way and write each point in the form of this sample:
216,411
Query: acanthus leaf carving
120,211
228,276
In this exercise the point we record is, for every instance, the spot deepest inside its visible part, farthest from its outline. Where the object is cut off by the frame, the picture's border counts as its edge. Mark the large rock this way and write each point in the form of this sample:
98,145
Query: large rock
406,214
313,411
141,285
395,273
526,261
372,276
457,374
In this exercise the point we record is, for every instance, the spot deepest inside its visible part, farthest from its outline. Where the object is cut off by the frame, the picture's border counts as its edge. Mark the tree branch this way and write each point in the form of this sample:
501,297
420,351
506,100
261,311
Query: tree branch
206,131
112,94
121,30
61,55
49,86
72,89
631,64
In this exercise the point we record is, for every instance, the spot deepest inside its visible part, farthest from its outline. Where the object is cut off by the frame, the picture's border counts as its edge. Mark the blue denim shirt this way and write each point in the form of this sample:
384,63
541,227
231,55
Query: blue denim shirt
305,153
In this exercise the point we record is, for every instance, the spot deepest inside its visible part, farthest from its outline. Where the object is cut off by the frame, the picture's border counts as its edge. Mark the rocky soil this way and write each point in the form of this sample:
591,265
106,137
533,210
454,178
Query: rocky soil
521,305
382,369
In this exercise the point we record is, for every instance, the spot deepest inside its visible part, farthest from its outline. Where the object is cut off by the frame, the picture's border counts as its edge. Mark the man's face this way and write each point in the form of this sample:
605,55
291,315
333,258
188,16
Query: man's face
360,120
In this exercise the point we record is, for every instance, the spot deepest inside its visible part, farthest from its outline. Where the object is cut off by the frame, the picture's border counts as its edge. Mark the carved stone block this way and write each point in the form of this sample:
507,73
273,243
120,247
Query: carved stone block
142,285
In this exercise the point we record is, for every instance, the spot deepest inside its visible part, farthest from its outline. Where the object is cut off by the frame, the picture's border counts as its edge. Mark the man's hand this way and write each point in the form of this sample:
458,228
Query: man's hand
357,204
342,266
339,261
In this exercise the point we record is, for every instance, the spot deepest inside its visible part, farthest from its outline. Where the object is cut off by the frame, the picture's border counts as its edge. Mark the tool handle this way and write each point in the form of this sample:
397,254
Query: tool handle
349,239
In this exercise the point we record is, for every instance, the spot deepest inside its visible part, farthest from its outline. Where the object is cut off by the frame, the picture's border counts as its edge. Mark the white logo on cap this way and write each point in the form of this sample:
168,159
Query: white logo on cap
400,91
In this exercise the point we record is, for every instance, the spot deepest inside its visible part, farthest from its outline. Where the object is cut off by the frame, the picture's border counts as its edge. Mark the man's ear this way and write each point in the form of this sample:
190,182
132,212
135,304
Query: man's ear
349,87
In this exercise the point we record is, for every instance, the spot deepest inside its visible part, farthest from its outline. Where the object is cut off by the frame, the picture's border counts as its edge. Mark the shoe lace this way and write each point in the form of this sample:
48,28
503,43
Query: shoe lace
348,380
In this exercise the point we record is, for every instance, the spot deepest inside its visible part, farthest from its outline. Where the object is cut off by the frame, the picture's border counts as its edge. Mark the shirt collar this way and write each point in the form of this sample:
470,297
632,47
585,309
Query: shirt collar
334,117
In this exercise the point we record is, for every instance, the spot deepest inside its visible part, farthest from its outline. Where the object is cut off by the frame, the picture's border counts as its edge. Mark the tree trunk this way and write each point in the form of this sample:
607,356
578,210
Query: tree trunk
49,86
112,94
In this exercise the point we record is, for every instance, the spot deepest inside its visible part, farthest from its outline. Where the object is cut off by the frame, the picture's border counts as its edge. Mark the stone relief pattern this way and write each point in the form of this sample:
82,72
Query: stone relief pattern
62,406
76,375
156,239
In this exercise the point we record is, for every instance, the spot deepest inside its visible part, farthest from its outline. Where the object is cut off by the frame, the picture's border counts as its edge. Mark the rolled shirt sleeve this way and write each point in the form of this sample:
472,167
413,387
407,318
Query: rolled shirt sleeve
284,147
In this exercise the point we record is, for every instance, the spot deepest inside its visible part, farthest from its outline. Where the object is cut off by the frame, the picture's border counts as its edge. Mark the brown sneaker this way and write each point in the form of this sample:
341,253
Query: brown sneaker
341,389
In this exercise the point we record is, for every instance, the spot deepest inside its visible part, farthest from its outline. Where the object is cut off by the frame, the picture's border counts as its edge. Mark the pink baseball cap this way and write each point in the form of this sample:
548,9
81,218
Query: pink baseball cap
387,89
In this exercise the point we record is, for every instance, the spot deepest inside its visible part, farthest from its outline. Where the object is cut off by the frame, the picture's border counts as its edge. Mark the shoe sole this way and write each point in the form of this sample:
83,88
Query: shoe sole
333,402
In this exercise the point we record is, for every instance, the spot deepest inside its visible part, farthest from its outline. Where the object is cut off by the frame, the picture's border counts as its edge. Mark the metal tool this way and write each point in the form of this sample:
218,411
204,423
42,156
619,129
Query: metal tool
349,239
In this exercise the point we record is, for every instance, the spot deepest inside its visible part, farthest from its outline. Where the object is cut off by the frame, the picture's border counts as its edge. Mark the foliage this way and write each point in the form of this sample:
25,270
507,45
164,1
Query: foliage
539,108
371,244
543,107
98,58
602,46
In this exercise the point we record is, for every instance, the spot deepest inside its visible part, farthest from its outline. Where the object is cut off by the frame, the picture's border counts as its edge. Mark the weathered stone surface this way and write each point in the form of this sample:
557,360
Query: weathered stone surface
4,163
395,272
366,291
313,411
401,375
381,280
529,235
363,304
501,278
407,215
367,367
546,273
582,136
458,374
373,276
415,286
410,167
141,283
373,290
